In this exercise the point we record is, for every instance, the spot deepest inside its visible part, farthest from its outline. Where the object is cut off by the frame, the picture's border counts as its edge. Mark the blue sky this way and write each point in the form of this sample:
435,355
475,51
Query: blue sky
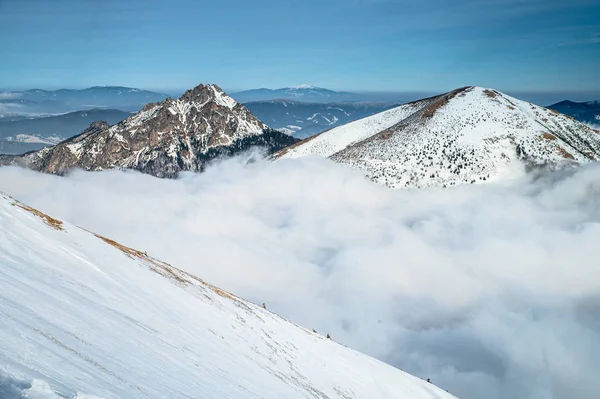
361,45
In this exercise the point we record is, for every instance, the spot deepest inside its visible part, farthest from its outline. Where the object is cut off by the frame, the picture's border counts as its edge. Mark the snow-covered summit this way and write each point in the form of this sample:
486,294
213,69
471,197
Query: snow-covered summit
303,92
470,135
84,316
302,87
204,93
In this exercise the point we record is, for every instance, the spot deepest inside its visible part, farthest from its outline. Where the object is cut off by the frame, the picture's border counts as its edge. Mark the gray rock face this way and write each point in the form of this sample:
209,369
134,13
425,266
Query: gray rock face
163,138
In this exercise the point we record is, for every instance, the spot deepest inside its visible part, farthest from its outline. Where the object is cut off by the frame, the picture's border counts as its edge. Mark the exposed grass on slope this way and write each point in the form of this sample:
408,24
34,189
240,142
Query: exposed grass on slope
430,110
565,154
548,136
50,221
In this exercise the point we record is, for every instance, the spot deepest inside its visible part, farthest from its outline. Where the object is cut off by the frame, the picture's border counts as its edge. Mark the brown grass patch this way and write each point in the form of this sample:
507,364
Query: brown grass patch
157,266
548,136
386,134
490,93
50,221
128,251
565,154
432,108
220,292
164,269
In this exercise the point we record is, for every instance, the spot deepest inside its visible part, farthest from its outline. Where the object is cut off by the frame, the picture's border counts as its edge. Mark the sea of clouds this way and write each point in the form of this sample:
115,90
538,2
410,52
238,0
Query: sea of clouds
594,125
491,291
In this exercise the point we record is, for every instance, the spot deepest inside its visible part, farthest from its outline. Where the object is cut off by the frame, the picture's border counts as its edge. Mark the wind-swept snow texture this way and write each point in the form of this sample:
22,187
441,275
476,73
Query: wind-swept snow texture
82,315
470,135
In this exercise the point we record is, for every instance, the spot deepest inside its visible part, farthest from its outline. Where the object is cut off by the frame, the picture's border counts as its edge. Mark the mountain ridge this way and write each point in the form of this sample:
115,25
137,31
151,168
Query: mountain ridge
587,111
38,102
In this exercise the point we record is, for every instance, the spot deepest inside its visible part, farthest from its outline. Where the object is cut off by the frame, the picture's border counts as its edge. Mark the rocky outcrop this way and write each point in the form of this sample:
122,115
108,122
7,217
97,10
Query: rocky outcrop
163,138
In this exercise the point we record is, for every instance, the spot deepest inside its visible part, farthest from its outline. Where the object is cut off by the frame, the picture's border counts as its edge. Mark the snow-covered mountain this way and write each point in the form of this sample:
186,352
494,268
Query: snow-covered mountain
470,135
302,119
304,93
32,134
86,317
163,138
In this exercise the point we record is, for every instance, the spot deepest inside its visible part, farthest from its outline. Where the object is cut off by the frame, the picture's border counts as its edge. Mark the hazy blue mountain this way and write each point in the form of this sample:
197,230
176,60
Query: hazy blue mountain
64,126
17,148
304,93
302,120
587,112
44,102
13,107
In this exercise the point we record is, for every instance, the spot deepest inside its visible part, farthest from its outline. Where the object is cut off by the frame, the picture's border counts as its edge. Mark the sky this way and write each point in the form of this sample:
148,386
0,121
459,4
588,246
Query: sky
492,291
360,45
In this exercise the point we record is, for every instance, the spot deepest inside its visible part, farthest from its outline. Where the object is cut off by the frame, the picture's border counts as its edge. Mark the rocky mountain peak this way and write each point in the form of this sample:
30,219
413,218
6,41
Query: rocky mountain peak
98,125
163,138
205,93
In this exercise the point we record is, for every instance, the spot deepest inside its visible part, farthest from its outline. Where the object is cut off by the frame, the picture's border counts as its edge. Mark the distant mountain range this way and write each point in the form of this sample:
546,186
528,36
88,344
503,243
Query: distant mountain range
470,135
303,120
23,135
588,112
304,93
65,125
163,138
43,102
18,147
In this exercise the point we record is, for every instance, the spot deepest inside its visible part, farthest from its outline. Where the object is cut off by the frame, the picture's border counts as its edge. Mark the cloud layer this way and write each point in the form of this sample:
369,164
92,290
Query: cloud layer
491,291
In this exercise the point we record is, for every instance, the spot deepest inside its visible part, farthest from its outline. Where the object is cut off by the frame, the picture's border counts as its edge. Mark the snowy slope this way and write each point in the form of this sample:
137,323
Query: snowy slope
83,314
470,135
336,139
